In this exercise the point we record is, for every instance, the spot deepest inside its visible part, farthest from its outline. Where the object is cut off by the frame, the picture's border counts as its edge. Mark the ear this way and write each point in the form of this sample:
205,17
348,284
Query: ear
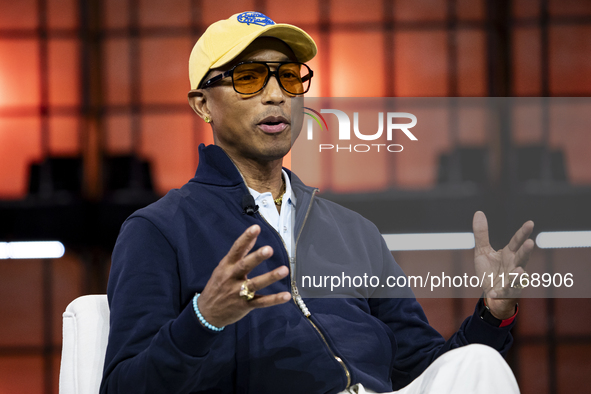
198,101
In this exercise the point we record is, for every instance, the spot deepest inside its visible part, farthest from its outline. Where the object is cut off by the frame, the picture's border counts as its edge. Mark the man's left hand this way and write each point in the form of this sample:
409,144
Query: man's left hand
511,259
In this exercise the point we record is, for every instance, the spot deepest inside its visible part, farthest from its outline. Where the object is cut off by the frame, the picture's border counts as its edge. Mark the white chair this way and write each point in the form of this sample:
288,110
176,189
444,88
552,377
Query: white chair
85,335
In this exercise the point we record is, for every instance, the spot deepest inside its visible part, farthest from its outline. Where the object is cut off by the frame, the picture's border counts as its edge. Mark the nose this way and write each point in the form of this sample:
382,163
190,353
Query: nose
272,93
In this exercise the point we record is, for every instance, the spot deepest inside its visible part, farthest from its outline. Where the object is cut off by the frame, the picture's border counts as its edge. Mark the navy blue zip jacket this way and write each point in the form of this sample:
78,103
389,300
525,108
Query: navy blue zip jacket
166,253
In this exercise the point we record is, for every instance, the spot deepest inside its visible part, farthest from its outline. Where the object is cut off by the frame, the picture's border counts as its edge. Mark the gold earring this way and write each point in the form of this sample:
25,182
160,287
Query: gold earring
207,119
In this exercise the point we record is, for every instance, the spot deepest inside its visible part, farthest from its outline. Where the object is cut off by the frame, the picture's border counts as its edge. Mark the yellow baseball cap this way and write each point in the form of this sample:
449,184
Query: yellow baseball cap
226,39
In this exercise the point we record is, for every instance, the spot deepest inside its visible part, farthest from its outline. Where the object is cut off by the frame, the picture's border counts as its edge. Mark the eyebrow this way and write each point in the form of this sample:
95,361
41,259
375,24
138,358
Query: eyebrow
226,67
283,58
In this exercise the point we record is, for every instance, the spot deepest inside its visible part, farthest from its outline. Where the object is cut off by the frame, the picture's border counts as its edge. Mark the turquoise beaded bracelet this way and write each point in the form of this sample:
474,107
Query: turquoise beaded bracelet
200,316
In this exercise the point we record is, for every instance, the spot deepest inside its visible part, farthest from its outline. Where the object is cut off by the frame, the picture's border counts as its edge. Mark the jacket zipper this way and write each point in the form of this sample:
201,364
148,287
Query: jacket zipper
297,299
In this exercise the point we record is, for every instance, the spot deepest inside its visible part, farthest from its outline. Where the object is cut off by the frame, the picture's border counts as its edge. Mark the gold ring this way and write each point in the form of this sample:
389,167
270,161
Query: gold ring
245,292
519,284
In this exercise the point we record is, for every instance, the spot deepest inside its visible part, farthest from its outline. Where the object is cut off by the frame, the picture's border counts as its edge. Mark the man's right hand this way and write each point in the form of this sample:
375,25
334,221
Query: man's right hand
220,303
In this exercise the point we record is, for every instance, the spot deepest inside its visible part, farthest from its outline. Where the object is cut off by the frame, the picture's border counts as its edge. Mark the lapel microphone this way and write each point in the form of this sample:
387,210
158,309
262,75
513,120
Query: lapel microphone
248,205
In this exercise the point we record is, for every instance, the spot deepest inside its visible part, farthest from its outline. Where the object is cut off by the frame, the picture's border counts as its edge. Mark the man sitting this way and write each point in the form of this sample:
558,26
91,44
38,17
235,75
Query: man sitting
202,289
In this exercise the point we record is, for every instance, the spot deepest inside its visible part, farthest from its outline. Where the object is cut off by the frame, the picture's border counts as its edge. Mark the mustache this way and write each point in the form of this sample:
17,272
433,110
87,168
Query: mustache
275,113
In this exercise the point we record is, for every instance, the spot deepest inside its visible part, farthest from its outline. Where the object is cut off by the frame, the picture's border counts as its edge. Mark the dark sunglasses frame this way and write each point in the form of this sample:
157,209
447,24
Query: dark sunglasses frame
230,72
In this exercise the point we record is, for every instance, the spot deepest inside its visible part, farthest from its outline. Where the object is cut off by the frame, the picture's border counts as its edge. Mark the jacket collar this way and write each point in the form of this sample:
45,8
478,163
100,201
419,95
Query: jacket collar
216,168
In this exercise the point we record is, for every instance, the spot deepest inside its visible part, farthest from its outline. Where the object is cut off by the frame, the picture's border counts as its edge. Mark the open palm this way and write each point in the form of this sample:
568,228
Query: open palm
501,297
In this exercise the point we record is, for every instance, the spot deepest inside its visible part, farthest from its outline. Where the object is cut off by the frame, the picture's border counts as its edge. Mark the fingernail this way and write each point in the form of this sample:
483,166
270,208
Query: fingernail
282,271
267,251
286,297
252,230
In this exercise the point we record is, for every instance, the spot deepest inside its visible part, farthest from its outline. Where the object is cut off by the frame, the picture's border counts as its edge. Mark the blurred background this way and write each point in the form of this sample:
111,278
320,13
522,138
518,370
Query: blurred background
94,124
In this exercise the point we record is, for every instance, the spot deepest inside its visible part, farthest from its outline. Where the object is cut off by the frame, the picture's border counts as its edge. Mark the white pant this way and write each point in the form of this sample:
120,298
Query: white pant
471,369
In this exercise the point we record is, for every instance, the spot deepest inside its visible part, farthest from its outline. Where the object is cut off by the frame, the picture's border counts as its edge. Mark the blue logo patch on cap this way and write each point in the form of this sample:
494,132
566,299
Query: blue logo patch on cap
255,18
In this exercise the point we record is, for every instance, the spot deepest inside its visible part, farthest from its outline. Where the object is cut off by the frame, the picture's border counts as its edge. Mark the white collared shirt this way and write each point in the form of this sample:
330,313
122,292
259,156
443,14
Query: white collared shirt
280,221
